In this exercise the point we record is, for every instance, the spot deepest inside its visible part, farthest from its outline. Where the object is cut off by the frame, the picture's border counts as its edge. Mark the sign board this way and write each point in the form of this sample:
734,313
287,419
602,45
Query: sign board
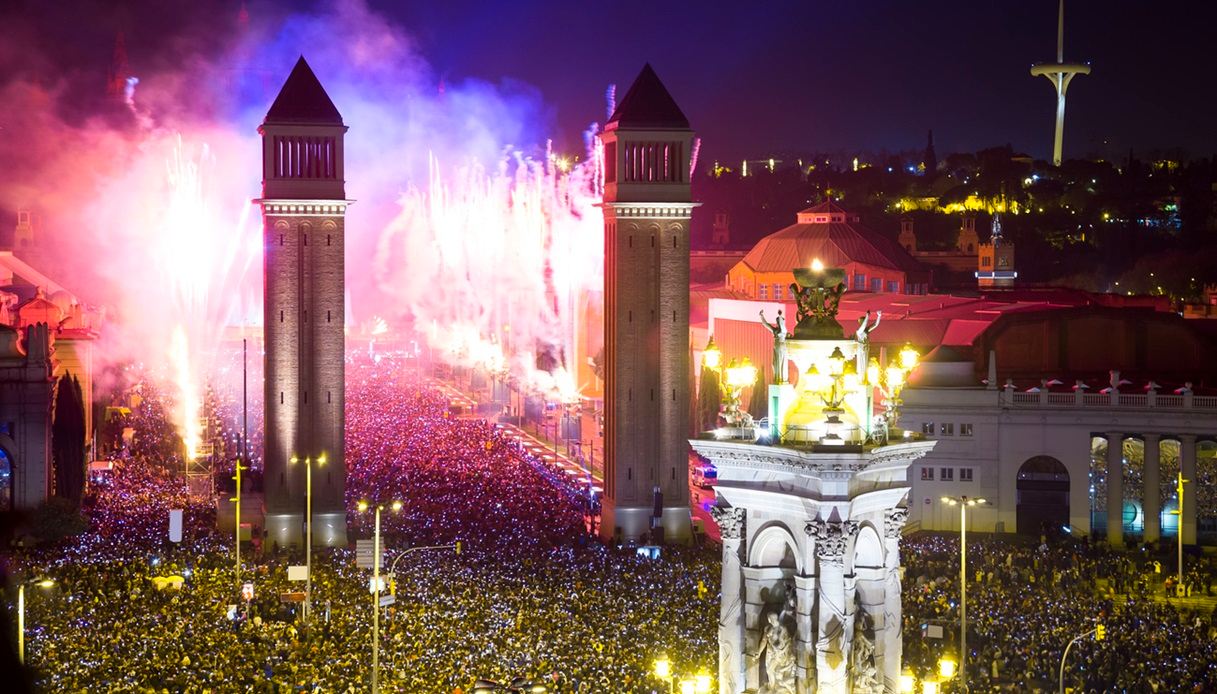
175,525
297,596
933,631
386,600
297,573
363,554
247,592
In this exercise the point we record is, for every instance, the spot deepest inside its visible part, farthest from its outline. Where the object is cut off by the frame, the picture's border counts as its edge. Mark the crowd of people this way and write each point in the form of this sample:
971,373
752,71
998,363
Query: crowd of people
530,594
1027,600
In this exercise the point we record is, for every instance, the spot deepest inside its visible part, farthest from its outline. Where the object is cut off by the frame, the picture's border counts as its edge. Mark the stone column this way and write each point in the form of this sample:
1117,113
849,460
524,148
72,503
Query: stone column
832,628
731,523
889,646
805,633
1151,496
1187,465
1115,489
754,626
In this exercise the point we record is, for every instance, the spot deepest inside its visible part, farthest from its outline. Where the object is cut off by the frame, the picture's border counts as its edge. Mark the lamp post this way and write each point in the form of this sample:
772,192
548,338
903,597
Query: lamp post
237,521
1179,482
1061,676
739,374
891,381
308,529
963,502
698,684
45,583
375,590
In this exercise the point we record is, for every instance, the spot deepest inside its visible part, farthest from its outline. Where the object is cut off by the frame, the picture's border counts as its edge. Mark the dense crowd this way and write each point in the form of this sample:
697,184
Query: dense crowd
1027,601
529,595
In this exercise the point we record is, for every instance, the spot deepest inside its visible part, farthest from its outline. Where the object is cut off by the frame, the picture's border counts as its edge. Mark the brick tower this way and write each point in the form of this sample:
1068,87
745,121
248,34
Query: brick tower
303,208
647,206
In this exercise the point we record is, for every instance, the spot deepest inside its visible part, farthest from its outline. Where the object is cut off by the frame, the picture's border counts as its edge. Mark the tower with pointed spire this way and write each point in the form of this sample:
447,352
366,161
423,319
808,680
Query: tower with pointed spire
647,207
303,209
995,259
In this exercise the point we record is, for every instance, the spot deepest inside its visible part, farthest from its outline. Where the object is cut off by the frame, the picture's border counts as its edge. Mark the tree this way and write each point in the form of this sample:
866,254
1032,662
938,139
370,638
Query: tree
56,519
68,439
709,400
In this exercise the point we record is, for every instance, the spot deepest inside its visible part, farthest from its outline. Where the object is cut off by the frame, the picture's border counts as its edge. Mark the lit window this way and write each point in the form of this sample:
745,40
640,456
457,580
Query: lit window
965,429
965,474
947,429
876,284
927,428
777,292
947,474
764,291
927,474
859,282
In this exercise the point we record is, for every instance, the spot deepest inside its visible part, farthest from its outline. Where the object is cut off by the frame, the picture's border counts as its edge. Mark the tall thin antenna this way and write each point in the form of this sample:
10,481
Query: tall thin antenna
1060,33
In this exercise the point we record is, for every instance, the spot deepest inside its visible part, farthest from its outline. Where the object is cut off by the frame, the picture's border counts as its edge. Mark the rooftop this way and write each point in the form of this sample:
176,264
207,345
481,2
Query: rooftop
303,100
648,105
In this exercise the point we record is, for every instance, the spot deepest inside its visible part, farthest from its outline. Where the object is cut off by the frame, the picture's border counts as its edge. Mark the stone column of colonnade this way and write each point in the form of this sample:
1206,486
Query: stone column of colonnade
1187,466
1151,495
731,523
805,633
889,644
834,625
754,610
1115,489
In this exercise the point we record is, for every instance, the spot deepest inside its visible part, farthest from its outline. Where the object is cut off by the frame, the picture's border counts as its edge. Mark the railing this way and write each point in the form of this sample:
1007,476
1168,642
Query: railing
1185,401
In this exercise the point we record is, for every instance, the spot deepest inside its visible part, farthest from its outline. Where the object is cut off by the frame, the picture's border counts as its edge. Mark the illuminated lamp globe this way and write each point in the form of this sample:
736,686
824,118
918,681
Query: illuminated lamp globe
836,362
686,687
663,667
947,667
703,682
741,375
908,683
908,357
895,376
817,380
711,357
816,265
872,372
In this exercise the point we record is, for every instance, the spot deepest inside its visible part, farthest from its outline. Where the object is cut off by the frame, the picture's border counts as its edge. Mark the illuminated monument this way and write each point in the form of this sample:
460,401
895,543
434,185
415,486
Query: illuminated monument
1060,74
647,206
812,508
303,207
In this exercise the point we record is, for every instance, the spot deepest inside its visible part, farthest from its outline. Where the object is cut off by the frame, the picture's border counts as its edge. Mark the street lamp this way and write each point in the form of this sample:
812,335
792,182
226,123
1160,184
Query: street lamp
908,682
308,520
44,583
237,521
711,356
375,589
891,381
963,502
739,375
698,684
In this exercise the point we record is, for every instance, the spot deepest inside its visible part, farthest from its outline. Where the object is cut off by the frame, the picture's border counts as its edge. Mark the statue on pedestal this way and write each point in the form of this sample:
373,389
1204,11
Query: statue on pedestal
863,338
778,328
865,673
777,648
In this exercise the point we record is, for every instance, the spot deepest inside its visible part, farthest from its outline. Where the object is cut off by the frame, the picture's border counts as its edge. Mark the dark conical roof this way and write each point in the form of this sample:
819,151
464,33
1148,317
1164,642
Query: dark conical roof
649,105
303,100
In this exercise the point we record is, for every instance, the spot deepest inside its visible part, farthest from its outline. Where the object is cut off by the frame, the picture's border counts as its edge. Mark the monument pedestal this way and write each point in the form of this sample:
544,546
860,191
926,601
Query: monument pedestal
781,398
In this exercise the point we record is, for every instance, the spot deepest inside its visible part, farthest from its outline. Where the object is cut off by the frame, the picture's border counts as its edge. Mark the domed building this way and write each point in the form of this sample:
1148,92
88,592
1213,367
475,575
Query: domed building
837,238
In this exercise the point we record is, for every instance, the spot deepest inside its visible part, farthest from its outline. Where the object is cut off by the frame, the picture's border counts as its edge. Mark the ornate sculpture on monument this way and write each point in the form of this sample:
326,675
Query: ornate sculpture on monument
777,648
778,328
865,674
817,293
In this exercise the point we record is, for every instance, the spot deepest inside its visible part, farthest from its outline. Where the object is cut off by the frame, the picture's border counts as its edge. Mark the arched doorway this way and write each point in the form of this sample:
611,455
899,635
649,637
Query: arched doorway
1042,495
6,481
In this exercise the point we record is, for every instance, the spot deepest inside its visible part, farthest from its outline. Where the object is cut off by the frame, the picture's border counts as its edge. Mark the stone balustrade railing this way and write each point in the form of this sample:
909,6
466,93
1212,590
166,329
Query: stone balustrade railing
1186,401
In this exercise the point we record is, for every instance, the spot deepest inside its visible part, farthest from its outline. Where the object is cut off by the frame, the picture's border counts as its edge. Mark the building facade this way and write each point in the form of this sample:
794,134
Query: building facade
27,389
647,208
1031,453
303,210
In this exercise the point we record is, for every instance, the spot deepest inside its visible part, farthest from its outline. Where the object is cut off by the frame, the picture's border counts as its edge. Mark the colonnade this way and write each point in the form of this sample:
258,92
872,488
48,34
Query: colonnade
839,604
1151,502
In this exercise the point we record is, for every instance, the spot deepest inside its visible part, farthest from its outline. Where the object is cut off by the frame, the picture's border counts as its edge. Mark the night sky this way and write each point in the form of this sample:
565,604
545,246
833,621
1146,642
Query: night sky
788,76
762,79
